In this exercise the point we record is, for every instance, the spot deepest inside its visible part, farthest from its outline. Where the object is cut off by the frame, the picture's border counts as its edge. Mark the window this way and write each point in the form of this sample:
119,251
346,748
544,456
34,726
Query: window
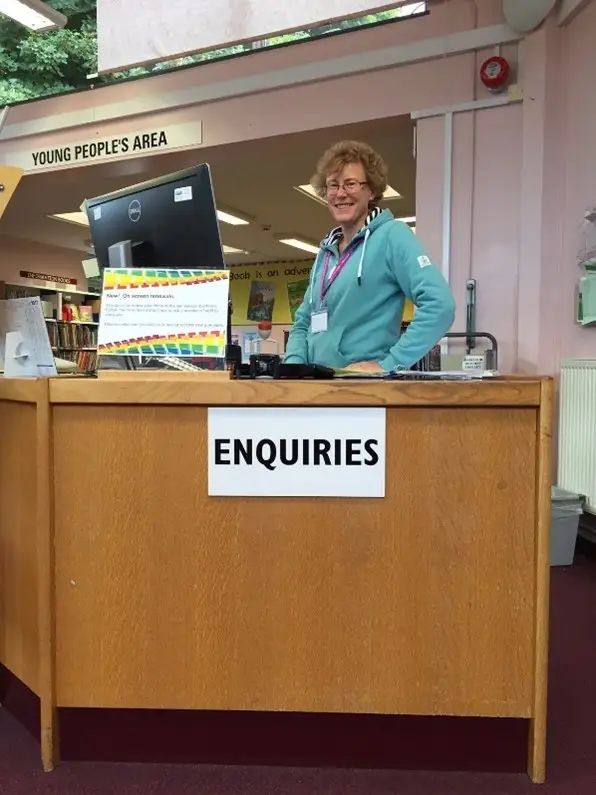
33,66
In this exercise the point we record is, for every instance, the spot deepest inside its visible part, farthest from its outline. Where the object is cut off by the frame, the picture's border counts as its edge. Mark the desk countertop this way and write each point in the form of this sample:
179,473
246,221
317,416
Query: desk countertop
219,390
181,389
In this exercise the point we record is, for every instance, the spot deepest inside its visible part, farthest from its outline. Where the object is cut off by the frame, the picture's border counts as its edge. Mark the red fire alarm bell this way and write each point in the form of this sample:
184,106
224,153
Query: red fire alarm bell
495,72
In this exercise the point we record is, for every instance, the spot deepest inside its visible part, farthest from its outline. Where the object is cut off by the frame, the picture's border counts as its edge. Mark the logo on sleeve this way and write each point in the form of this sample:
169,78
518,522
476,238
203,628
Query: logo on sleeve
424,261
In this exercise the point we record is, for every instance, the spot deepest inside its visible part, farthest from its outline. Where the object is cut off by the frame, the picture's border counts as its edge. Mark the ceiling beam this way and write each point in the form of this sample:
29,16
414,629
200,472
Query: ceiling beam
569,9
151,100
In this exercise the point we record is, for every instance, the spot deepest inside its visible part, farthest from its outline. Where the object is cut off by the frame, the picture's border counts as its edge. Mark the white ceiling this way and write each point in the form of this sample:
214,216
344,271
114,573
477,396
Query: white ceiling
255,178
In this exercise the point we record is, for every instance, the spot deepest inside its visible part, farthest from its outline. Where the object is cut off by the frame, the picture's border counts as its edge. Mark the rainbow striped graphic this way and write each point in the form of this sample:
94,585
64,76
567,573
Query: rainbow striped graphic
200,343
130,279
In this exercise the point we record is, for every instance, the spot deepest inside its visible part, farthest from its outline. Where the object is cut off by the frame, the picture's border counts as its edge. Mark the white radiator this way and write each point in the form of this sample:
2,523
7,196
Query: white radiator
577,429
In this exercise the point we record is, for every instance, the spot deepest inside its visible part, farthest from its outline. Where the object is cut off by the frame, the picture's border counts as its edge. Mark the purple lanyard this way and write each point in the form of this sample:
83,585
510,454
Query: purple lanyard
340,265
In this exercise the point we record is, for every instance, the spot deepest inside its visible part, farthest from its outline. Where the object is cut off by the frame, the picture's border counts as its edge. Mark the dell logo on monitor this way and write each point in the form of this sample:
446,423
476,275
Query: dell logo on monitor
134,210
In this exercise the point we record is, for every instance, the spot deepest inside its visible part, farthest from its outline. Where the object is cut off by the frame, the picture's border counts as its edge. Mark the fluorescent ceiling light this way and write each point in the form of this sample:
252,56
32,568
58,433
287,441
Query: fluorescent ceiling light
33,14
81,218
391,193
301,244
230,218
78,218
309,191
232,250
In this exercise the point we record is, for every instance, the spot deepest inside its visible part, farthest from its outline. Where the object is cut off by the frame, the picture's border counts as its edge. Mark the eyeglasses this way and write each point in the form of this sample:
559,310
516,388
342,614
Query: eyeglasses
350,186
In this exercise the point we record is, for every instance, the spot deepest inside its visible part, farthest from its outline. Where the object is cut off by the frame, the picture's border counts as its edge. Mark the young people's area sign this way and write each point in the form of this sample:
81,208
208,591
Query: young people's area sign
99,147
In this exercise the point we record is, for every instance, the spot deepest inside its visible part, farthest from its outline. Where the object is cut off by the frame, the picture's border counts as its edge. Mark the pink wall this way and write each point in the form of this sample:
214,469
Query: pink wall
574,183
448,17
17,255
522,177
398,90
308,107
485,215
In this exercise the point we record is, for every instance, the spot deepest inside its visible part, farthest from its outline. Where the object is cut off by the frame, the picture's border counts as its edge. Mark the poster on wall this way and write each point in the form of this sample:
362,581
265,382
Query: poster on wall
250,344
164,313
296,292
267,292
261,301
273,291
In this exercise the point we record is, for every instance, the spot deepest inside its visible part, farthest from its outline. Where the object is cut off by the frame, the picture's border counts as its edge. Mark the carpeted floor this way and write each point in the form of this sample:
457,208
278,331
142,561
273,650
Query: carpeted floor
571,756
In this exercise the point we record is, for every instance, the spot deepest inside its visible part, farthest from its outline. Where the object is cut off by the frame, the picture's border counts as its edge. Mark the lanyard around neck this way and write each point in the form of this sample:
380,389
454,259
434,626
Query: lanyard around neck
327,280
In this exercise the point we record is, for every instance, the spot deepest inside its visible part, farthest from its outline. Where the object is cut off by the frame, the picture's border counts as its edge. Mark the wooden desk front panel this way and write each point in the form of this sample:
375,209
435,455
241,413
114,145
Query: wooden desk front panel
421,603
19,578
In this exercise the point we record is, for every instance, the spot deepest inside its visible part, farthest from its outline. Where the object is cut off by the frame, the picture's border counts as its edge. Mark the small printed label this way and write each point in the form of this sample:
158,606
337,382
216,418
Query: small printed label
97,213
183,194
473,363
424,261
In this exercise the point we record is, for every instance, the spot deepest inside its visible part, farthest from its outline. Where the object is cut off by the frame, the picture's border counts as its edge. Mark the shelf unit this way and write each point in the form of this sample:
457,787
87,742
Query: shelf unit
72,319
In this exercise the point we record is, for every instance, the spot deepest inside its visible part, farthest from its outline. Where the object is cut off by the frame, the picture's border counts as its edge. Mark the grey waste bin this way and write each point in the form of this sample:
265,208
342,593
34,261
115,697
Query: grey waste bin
566,508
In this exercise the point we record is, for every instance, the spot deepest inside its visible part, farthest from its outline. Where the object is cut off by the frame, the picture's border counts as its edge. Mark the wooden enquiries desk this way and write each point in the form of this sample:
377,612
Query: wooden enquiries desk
125,586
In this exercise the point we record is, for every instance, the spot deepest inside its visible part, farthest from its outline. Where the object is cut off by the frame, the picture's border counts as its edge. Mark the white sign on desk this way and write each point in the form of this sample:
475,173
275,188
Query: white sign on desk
164,312
296,452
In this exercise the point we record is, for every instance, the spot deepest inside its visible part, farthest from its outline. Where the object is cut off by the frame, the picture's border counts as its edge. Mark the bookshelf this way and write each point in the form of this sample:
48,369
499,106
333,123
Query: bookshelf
72,320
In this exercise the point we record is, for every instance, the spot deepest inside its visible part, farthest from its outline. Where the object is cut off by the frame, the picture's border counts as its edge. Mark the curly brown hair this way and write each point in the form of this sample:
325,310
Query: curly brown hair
342,154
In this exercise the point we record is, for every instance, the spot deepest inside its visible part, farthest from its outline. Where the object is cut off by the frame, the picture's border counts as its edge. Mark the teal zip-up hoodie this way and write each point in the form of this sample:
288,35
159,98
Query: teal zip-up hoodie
365,303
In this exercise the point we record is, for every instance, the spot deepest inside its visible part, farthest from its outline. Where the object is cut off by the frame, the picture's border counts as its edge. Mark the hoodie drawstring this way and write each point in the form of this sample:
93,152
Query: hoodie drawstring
360,264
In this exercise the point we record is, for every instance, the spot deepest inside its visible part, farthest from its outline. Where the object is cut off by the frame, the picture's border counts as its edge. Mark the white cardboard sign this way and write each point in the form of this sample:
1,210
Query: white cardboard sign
161,312
296,452
25,349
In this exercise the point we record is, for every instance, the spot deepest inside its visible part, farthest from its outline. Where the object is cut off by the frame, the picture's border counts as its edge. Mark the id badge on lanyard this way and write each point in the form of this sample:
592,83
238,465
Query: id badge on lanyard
318,321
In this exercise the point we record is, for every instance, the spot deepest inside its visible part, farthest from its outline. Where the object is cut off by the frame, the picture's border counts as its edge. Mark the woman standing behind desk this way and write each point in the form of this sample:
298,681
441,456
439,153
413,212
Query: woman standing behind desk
365,269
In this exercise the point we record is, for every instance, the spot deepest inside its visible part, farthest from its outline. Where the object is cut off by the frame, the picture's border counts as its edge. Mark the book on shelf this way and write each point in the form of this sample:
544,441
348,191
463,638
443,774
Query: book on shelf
86,361
77,313
65,334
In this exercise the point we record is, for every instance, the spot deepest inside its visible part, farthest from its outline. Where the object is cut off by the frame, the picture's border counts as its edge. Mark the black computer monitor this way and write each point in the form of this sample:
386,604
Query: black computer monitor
169,222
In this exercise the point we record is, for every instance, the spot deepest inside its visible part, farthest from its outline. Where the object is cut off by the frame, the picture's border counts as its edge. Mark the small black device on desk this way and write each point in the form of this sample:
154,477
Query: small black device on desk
270,365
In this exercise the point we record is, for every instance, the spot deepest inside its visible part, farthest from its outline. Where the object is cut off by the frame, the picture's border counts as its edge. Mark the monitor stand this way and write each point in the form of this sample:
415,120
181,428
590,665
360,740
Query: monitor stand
127,254
233,352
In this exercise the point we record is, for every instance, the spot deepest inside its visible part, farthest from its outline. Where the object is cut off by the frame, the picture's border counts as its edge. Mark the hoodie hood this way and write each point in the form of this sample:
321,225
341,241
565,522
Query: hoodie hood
374,219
